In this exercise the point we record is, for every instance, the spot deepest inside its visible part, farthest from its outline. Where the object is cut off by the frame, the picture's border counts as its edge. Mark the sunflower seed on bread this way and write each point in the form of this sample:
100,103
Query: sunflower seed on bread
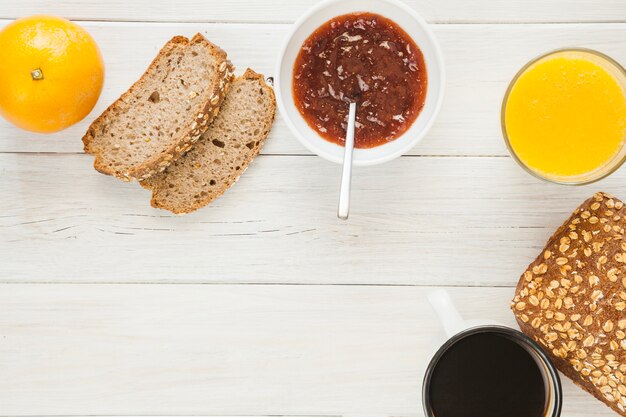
572,299
223,152
163,113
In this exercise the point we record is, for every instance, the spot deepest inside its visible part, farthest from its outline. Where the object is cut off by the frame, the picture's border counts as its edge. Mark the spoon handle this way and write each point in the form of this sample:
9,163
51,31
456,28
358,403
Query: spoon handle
346,176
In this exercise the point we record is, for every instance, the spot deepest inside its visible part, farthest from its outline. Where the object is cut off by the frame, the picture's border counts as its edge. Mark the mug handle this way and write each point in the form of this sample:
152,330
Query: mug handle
449,316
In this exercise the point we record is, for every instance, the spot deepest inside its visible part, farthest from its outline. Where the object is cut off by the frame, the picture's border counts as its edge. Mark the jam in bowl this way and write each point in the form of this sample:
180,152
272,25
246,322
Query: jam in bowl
363,58
384,58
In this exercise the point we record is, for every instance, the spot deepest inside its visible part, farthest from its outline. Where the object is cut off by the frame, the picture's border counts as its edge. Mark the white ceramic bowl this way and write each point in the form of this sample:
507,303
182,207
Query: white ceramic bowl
413,25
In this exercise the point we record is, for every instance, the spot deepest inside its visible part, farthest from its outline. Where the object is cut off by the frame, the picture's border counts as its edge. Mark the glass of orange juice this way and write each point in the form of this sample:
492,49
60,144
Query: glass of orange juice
564,116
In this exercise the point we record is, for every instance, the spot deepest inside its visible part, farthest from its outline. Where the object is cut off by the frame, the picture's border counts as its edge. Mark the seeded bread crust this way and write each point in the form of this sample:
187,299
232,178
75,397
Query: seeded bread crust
159,184
572,299
188,134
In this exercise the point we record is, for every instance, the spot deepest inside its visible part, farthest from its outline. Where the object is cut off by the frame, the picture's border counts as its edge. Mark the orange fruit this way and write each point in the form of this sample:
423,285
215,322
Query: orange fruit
51,73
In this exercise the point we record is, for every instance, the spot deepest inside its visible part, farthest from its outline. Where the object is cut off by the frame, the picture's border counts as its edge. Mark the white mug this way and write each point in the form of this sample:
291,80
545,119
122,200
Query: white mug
456,329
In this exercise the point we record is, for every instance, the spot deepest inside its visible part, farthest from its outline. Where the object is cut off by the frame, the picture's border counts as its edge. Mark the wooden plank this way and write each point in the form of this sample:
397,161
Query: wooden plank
456,221
481,60
260,328
443,11
228,350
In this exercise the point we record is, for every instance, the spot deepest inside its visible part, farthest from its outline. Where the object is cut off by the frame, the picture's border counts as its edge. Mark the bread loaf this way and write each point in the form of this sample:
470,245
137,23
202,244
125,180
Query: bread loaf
164,113
222,153
572,299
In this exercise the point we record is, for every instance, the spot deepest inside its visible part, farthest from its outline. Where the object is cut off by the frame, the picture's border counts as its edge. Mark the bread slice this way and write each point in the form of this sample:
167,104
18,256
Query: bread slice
164,113
223,152
572,299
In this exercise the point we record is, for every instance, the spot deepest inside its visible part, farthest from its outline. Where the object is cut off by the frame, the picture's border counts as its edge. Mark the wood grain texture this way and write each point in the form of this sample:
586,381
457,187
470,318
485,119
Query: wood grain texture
480,62
229,350
452,221
445,11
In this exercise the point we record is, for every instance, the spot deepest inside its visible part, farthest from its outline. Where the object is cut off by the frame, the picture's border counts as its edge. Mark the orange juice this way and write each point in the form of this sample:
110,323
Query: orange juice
564,116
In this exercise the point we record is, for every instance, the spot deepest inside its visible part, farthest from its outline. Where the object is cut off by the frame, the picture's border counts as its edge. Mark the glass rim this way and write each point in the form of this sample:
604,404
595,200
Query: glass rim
617,164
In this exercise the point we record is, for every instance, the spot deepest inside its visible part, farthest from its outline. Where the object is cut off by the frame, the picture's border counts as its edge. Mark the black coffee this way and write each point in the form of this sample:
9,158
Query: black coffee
487,375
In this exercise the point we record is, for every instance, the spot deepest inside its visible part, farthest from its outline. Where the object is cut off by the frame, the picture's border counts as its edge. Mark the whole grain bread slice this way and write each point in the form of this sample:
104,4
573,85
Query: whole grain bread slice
222,153
163,113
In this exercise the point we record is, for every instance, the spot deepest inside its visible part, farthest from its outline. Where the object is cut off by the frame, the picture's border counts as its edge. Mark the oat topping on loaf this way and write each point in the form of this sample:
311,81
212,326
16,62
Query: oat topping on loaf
572,299
164,113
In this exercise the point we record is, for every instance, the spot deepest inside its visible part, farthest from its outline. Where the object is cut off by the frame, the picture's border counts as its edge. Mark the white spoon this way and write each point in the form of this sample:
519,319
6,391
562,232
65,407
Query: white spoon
346,176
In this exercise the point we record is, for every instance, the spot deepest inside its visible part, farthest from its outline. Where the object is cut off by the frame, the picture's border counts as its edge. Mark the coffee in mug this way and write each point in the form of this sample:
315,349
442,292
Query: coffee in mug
491,371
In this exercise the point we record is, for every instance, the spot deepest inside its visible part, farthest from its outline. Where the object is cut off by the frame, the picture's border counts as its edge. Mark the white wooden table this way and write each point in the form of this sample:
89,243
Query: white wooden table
264,303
